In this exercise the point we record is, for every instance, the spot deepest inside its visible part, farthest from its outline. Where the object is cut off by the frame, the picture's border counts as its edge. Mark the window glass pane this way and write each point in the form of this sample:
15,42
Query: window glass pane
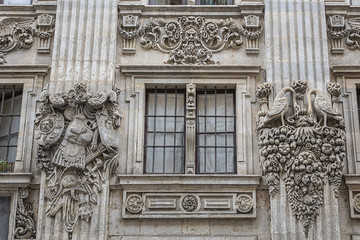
16,2
165,113
355,2
168,2
214,2
215,131
4,216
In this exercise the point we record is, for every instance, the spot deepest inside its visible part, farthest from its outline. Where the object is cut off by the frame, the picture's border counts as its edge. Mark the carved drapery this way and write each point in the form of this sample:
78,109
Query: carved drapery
191,40
25,224
78,139
303,146
338,30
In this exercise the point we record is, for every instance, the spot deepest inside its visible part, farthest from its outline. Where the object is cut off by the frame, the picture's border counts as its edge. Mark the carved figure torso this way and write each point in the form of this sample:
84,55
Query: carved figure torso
78,135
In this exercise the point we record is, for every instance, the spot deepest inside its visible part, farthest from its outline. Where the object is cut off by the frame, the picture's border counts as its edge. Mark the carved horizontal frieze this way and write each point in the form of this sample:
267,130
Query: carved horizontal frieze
241,204
340,29
303,146
191,40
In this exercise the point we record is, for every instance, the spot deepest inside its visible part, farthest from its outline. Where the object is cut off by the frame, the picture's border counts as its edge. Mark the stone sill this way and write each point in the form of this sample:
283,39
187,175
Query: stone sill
181,182
352,179
9,180
24,69
345,69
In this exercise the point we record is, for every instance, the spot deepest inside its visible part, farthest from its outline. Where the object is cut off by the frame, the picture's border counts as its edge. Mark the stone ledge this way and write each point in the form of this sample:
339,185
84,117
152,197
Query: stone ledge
345,69
24,69
10,180
352,179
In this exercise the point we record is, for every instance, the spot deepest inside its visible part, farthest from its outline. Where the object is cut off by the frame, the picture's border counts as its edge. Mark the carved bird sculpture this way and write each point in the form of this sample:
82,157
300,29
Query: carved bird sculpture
322,106
280,106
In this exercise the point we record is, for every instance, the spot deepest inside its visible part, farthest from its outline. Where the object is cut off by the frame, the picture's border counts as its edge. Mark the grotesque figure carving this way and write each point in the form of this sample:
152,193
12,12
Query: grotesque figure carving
304,151
78,139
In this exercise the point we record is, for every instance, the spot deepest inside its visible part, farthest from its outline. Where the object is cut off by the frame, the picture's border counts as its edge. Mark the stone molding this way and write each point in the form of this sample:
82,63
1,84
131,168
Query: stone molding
304,150
25,225
11,180
189,196
45,30
353,183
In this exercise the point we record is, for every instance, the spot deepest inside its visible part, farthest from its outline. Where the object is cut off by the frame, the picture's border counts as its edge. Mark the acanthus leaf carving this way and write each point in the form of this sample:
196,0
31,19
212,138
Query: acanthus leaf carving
305,147
25,224
77,136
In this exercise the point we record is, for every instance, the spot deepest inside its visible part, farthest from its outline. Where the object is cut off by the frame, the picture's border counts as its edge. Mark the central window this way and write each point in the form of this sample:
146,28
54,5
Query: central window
167,138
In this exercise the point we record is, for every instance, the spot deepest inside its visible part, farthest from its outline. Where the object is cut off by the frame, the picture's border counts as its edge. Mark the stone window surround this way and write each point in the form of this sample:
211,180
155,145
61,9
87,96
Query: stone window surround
137,78
31,78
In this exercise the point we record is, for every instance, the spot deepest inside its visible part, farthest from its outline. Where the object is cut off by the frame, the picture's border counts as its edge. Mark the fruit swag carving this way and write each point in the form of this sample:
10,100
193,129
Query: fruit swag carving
78,139
193,40
305,147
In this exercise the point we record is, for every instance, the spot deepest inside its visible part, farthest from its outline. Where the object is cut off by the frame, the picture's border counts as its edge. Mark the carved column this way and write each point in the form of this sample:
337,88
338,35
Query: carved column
296,43
84,44
190,128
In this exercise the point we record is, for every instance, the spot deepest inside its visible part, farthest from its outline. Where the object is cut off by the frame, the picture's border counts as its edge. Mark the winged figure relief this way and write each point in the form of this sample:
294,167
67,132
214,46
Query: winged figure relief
16,33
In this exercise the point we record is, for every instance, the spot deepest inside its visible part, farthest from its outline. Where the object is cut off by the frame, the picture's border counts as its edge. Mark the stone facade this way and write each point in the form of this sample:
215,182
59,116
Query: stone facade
285,75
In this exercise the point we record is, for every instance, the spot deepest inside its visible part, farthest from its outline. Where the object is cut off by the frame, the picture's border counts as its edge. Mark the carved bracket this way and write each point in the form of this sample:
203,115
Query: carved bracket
25,224
305,147
77,134
129,28
45,30
339,30
252,28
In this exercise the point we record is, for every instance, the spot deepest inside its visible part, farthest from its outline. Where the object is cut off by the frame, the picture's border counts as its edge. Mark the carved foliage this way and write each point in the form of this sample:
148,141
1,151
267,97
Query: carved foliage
193,40
25,224
338,30
303,149
77,138
15,33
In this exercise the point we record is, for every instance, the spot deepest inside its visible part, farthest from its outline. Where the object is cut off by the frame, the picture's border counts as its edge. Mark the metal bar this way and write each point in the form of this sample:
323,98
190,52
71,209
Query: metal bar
215,132
153,160
2,104
205,132
163,132
175,119
166,146
163,160
234,135
225,129
165,115
216,116
11,110
214,146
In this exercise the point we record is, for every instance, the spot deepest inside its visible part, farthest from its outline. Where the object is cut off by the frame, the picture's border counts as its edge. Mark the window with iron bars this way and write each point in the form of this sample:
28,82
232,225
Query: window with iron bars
197,2
10,108
171,143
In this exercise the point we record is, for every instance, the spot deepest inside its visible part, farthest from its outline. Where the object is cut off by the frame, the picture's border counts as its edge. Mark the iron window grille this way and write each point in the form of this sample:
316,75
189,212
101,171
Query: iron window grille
166,128
215,131
10,108
358,101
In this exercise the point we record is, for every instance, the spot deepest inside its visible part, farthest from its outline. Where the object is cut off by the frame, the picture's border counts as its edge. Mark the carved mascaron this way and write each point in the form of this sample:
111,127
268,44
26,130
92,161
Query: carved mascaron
305,147
78,139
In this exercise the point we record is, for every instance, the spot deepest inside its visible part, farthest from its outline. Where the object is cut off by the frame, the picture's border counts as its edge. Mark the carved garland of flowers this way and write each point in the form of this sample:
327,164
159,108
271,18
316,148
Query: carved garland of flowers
304,150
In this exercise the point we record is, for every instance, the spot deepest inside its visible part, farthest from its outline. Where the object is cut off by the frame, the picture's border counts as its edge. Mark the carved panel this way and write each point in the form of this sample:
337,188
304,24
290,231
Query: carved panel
45,30
306,147
15,34
25,225
75,132
252,28
189,204
129,28
338,31
190,128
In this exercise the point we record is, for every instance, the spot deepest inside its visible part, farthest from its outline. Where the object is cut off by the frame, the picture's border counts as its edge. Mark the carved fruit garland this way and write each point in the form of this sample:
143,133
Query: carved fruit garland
303,150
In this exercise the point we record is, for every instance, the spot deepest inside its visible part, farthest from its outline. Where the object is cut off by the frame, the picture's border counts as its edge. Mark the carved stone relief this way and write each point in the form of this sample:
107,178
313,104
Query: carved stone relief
25,224
357,202
190,203
129,28
190,40
190,128
338,30
244,203
15,34
303,146
134,203
77,136
45,30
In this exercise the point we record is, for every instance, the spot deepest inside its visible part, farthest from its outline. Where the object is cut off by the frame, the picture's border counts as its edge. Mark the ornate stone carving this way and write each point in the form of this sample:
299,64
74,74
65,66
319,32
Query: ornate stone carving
252,28
15,34
190,128
356,201
193,40
190,203
244,203
305,148
25,224
338,30
45,30
134,203
78,139
129,28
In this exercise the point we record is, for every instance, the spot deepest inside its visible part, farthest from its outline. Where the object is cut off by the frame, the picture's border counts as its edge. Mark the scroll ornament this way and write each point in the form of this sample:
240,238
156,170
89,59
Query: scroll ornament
193,40
338,30
303,146
25,224
77,135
